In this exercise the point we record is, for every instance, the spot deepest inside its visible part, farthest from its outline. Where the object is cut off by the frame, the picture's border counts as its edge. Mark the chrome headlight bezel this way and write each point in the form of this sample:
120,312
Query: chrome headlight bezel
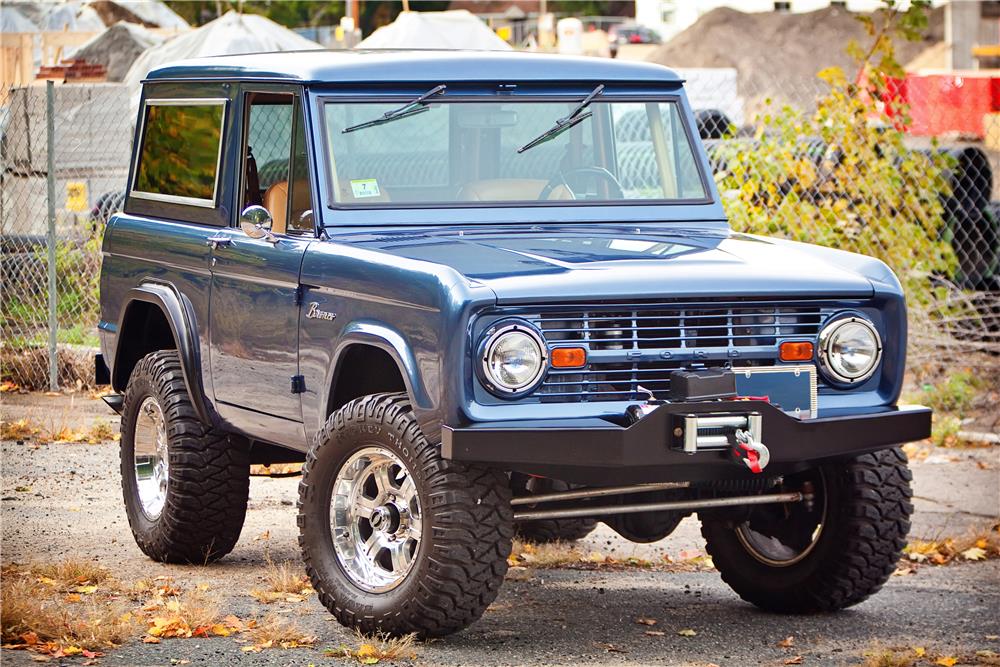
828,335
487,344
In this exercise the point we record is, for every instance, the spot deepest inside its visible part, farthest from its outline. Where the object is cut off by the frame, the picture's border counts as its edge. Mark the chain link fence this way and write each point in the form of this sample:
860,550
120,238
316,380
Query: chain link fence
926,201
64,151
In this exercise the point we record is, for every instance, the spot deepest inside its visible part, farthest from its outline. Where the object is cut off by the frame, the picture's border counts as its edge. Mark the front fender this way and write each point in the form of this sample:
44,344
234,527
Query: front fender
380,335
179,313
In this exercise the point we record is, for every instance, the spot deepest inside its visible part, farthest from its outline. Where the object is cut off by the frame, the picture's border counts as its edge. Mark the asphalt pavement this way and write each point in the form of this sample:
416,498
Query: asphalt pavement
64,500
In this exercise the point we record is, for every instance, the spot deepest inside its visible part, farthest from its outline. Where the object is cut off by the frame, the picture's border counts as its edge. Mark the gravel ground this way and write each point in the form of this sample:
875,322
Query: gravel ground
64,500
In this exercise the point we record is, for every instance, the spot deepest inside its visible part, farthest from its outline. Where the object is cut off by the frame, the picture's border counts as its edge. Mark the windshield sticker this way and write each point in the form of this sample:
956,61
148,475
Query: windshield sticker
365,187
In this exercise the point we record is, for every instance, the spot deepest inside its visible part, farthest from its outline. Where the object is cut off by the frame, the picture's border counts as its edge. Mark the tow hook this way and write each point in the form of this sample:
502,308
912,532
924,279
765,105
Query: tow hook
745,449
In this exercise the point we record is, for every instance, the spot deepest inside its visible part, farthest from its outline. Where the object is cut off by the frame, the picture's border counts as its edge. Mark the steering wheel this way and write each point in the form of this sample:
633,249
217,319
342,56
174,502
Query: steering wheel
563,178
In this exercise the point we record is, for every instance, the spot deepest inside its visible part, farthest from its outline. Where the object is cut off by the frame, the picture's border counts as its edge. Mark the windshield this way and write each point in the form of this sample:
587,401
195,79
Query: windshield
468,153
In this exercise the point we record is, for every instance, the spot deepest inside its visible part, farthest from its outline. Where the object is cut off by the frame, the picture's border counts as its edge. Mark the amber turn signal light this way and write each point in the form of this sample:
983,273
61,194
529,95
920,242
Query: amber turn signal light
796,351
568,357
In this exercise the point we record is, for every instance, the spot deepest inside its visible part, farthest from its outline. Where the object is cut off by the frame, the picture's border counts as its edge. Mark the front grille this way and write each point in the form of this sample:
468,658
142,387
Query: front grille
639,345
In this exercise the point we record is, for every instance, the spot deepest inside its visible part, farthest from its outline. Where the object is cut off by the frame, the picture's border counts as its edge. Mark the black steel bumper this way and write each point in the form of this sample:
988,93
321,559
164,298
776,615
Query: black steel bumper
598,452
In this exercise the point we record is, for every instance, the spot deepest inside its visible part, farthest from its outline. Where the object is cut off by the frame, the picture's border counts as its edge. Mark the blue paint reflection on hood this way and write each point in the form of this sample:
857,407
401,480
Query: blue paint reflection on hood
527,264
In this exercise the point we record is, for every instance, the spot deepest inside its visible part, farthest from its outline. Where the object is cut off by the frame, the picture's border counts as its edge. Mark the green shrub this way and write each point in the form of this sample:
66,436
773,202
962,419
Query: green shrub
841,175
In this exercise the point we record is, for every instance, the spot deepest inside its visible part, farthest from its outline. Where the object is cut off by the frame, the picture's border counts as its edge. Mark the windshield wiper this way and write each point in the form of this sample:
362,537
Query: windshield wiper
566,122
418,105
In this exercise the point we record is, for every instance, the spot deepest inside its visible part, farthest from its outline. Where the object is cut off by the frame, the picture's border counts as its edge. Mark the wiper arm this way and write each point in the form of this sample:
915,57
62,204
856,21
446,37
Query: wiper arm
566,122
416,106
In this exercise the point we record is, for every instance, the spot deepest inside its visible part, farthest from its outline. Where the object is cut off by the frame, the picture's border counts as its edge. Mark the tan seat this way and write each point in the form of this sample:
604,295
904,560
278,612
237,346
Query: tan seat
276,202
510,189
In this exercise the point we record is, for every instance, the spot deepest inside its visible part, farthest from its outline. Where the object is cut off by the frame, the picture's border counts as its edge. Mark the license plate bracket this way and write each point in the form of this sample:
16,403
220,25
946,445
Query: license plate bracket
792,388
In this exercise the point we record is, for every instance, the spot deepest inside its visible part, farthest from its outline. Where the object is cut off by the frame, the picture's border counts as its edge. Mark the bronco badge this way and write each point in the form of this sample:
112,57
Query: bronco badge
314,313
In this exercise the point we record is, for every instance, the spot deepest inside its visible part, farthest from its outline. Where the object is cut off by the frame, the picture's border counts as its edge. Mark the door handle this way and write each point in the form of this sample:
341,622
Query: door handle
218,240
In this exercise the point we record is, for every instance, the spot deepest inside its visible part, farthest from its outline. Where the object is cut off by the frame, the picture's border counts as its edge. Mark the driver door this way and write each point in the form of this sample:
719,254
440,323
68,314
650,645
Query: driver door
255,282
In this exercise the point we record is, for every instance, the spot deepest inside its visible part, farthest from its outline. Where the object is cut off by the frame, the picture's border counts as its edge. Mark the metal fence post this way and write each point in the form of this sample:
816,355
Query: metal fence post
51,178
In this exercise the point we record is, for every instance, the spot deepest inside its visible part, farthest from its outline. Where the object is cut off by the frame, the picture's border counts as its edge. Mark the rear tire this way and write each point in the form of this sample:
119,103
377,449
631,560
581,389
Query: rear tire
454,519
783,562
547,530
186,493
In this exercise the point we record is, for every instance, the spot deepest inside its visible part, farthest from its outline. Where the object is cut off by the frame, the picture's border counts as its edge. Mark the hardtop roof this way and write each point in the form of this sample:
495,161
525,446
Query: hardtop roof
395,66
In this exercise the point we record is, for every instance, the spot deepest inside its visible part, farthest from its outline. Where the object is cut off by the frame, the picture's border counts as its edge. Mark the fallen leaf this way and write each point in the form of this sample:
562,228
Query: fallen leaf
655,633
920,651
787,642
86,590
220,630
149,639
646,621
72,650
23,489
797,660
72,597
974,553
687,632
947,661
992,638
610,648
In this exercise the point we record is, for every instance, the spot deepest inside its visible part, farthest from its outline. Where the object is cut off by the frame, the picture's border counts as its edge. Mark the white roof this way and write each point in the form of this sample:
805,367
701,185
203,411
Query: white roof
12,20
455,29
230,34
153,11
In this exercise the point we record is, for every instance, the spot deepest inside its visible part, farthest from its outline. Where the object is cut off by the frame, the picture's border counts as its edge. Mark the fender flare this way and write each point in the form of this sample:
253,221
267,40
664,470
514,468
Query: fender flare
376,334
183,327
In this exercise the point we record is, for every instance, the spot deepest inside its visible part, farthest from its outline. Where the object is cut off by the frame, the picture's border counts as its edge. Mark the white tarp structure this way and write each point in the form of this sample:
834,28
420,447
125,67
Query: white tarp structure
153,11
455,29
230,34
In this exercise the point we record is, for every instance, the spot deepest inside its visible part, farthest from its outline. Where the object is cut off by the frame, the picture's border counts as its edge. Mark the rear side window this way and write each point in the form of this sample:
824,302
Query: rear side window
180,152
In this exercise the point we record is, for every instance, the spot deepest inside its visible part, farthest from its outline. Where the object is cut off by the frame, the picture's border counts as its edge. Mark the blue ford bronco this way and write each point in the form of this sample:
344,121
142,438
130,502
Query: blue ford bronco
481,295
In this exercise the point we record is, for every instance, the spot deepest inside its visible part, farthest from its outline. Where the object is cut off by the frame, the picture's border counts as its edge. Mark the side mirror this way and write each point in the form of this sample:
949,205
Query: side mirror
255,221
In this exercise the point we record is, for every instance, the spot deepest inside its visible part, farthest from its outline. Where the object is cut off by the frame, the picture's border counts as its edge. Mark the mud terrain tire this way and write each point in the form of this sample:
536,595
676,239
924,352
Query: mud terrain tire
465,516
864,531
209,472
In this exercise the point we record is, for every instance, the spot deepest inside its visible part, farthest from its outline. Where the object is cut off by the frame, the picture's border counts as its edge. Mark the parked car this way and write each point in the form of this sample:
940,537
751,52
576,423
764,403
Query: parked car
480,294
630,33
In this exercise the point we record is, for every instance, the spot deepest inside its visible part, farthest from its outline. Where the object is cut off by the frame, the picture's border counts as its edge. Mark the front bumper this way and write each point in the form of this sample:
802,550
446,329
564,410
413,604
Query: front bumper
594,451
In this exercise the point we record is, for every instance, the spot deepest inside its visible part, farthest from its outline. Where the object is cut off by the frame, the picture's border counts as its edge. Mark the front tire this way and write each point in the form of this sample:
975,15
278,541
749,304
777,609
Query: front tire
395,538
789,559
185,484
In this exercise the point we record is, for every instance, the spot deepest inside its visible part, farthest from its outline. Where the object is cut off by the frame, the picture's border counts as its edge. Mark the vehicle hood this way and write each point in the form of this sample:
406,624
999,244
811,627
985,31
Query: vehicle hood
522,266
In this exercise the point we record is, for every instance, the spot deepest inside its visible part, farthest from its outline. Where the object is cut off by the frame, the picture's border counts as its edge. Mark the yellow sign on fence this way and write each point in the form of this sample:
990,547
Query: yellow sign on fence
76,196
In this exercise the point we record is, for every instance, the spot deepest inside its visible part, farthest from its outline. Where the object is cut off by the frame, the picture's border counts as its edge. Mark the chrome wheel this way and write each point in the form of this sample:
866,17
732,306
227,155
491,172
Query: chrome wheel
151,453
782,535
375,519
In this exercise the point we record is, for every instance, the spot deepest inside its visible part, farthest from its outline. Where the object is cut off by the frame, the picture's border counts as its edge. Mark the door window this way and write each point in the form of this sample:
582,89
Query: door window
276,174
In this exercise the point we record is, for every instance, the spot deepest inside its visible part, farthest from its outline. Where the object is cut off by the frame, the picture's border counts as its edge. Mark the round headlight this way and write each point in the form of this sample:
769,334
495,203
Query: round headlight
513,358
850,349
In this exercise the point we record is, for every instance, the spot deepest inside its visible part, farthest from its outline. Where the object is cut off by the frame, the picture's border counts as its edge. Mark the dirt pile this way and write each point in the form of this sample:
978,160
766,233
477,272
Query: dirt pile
117,48
776,54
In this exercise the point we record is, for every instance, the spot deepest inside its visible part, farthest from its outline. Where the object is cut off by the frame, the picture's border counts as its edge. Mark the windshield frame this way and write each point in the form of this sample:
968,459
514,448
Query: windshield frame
466,96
